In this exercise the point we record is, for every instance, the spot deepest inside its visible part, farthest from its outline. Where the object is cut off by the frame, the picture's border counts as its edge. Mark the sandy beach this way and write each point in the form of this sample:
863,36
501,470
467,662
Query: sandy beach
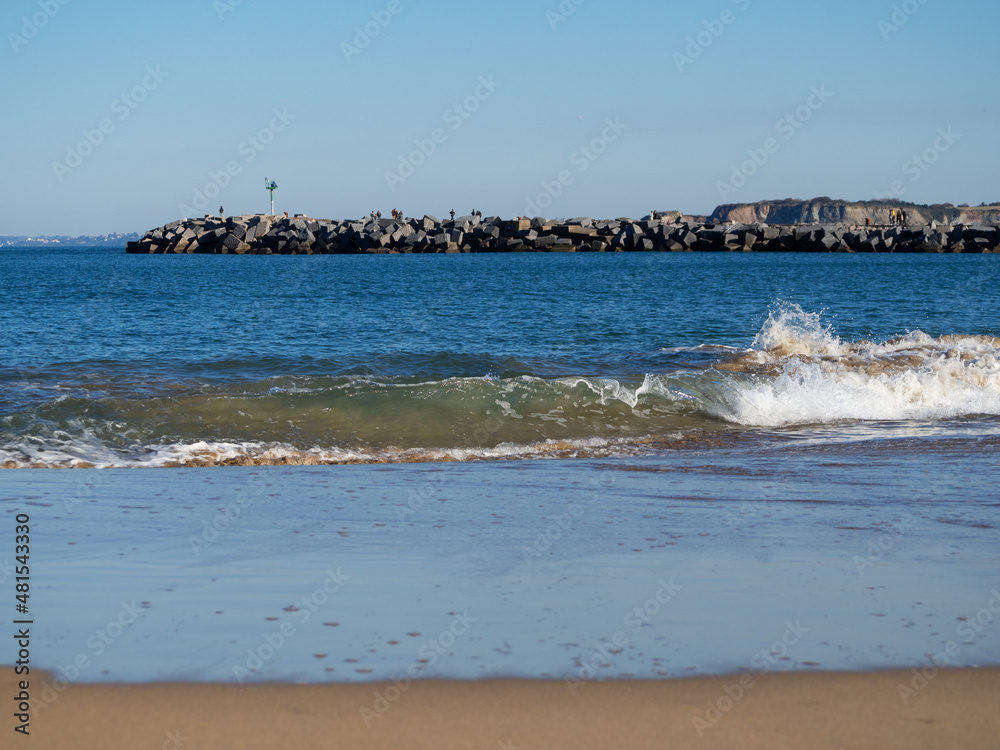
801,711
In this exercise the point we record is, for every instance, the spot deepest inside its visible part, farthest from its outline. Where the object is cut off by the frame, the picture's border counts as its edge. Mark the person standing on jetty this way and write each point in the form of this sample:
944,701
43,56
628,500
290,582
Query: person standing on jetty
453,214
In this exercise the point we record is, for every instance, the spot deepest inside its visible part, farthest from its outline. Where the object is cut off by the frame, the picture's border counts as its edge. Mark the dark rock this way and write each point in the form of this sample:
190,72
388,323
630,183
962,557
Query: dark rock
211,237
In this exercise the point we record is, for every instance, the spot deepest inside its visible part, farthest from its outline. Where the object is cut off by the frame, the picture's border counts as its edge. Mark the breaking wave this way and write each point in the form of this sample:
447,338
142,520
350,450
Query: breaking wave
434,408
800,372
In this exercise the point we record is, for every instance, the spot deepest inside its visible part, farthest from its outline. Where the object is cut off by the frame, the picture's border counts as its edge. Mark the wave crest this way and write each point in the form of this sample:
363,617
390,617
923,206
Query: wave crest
800,372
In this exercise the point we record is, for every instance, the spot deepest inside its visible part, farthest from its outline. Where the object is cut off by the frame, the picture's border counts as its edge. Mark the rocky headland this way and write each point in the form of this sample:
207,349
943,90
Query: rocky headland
274,235
829,211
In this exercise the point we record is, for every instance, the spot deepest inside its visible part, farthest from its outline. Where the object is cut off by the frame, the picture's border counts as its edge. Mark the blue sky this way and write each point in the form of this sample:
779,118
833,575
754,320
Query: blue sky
119,115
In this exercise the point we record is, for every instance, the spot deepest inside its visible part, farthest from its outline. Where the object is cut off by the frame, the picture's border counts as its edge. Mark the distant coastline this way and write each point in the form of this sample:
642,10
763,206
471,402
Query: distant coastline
103,240
821,213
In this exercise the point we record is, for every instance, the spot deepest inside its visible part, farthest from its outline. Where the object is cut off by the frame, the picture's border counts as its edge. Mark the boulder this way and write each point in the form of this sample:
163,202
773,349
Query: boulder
512,227
685,237
980,232
833,244
211,237
580,232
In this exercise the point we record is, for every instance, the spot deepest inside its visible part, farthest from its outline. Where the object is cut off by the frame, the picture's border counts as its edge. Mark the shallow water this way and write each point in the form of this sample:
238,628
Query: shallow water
694,563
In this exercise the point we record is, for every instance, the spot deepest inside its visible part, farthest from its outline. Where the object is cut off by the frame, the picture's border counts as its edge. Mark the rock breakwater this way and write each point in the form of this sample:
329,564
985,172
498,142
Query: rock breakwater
274,235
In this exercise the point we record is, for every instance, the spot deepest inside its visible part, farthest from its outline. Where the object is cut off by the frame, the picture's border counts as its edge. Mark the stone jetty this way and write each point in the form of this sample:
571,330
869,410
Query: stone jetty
280,235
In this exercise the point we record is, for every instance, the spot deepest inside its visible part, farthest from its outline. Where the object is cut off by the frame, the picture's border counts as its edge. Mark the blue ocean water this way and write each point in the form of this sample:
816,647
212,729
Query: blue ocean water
122,360
755,462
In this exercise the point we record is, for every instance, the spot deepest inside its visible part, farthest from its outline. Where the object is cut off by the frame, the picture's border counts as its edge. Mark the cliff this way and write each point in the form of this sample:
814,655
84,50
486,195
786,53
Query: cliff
828,211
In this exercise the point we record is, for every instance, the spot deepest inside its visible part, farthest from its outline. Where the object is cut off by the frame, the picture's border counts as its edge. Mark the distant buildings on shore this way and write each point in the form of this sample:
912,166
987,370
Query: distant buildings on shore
104,240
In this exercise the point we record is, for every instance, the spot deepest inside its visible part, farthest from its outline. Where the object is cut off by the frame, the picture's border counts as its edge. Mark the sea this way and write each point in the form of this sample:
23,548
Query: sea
560,466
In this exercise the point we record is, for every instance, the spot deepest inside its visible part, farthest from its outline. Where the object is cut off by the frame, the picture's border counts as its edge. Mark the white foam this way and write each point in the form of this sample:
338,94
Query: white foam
824,379
790,330
205,453
811,394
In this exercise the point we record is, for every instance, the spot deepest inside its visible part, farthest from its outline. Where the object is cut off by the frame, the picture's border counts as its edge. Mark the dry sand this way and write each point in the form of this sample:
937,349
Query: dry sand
956,709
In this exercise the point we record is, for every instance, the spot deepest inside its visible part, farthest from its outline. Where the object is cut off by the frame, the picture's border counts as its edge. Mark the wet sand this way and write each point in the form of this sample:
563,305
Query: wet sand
685,565
800,711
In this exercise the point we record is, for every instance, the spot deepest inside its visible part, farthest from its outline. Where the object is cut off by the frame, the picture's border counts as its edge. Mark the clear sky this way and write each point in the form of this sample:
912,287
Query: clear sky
119,115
